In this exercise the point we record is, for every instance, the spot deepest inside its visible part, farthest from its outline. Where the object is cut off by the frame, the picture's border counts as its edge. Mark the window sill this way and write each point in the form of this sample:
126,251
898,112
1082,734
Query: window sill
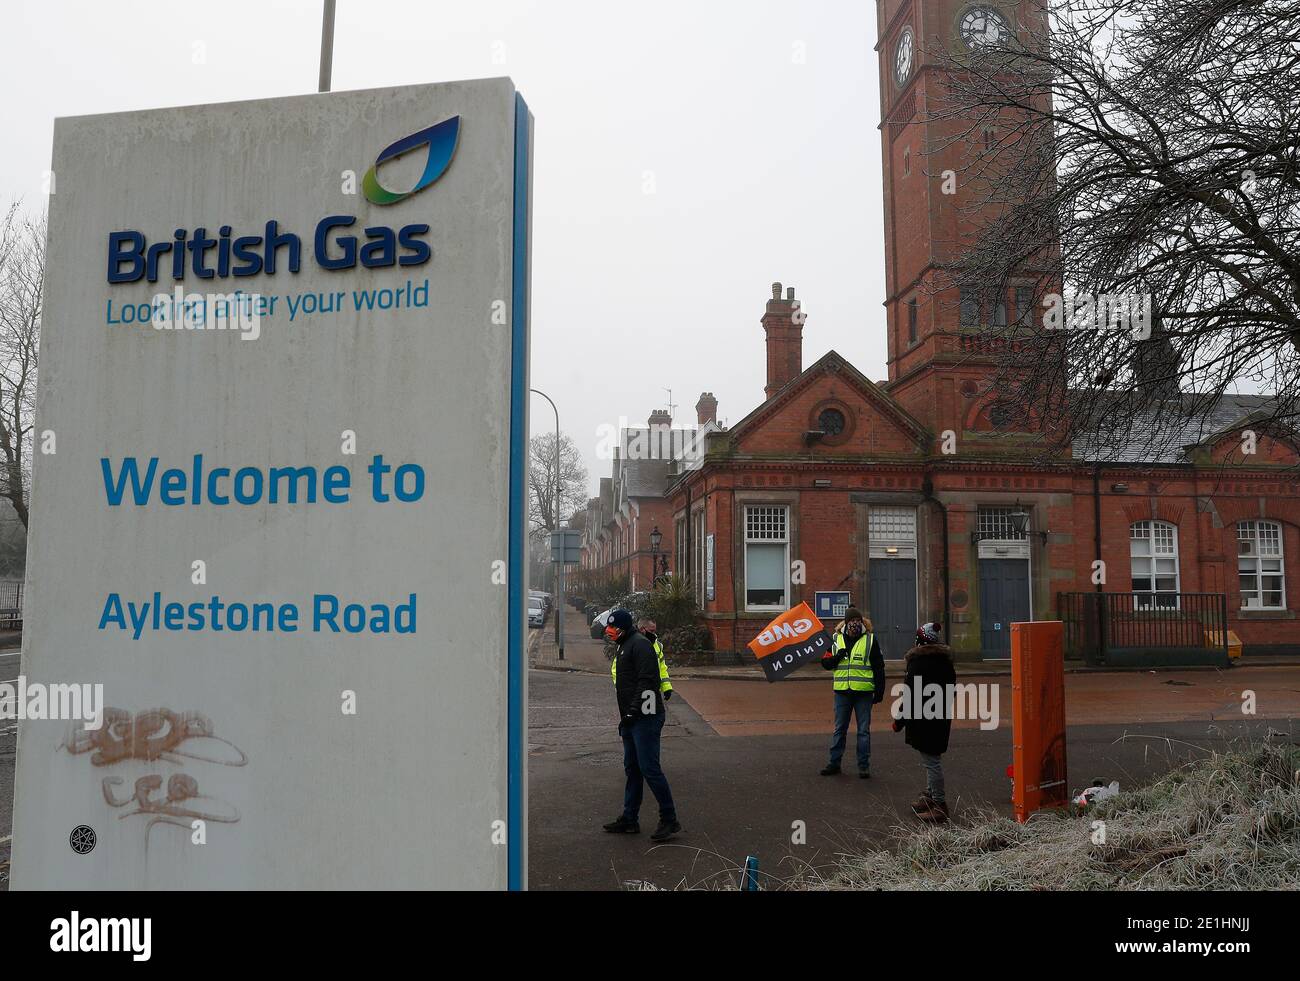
1258,614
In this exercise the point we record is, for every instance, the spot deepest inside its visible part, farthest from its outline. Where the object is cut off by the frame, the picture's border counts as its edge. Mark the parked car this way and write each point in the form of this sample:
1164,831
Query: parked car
536,611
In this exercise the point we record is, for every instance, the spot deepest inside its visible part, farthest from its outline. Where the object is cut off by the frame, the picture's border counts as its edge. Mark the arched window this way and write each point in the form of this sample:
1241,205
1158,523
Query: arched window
1259,565
1153,555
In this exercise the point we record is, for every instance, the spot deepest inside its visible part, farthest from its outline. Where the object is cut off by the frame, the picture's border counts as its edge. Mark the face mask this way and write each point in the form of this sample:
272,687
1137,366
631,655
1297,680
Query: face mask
853,629
612,634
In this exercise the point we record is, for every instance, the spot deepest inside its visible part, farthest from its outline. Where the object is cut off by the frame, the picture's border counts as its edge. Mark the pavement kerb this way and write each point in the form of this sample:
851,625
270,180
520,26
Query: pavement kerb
736,674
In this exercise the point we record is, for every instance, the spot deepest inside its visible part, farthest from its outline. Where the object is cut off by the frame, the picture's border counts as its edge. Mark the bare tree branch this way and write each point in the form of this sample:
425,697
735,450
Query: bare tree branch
22,287
1145,152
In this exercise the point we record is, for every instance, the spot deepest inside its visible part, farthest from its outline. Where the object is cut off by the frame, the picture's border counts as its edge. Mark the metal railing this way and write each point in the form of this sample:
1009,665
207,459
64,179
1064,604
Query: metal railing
11,604
1106,626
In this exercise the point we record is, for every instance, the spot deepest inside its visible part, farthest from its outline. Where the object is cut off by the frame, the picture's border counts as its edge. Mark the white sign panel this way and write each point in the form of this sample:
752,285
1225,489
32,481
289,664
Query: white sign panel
708,567
279,516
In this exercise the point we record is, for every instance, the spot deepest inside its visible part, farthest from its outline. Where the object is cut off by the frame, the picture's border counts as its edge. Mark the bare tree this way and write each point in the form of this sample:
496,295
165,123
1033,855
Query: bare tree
541,482
22,285
1132,167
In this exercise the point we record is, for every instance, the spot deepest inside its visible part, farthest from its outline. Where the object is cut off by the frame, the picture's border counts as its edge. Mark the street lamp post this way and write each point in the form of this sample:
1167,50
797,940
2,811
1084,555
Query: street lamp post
656,539
326,47
559,566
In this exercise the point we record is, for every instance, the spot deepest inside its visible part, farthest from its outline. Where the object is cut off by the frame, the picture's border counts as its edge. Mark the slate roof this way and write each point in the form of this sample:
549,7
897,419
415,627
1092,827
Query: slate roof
646,478
1163,433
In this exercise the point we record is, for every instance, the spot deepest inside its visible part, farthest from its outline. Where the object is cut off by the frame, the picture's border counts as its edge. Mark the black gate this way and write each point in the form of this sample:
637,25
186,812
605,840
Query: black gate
1146,629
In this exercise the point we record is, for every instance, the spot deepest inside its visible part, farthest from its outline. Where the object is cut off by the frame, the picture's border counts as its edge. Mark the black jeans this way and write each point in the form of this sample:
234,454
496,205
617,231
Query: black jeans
641,764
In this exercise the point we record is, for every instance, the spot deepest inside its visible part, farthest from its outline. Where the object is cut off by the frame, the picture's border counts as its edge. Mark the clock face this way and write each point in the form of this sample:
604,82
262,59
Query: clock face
983,26
904,56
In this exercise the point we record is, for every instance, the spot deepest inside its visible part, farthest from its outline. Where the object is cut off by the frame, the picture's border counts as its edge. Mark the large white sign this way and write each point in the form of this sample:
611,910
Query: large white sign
277,501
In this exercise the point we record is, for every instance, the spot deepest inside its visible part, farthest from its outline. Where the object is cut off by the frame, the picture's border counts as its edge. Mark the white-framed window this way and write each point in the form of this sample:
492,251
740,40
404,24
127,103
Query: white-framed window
1260,566
1153,558
999,307
891,524
969,308
767,561
1025,305
996,524
681,565
697,571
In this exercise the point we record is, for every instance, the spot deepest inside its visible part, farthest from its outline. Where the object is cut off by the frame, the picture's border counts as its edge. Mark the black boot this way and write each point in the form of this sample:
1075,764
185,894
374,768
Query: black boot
623,827
665,830
830,769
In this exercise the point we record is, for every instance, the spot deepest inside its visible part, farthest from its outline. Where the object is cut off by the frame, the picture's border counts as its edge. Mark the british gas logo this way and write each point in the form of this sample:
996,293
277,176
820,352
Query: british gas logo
440,142
133,257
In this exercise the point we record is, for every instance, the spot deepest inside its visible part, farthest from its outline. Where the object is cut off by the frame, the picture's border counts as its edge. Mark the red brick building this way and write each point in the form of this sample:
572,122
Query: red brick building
830,484
837,483
620,522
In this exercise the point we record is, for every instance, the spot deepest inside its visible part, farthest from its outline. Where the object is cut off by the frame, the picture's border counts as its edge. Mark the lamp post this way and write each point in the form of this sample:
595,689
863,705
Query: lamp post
559,566
656,539
326,47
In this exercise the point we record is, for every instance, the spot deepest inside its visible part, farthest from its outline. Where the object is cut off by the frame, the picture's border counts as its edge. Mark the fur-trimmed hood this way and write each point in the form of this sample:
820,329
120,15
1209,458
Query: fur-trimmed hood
925,650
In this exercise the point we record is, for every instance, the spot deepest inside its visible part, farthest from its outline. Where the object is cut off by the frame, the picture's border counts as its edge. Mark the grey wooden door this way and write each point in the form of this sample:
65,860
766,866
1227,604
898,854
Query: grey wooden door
893,605
1004,600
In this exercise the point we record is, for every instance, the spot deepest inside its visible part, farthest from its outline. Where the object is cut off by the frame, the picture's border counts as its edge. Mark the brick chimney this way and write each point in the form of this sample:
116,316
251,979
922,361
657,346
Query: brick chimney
660,417
706,409
784,332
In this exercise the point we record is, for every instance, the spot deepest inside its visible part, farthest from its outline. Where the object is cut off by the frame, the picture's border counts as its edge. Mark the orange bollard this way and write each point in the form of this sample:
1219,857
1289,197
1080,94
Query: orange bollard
1038,717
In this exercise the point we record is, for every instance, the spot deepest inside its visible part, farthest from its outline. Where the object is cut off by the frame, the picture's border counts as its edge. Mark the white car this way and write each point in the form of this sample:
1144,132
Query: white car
536,611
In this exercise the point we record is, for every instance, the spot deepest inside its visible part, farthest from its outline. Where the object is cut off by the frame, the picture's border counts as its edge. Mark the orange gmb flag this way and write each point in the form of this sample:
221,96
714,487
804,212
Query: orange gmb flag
792,639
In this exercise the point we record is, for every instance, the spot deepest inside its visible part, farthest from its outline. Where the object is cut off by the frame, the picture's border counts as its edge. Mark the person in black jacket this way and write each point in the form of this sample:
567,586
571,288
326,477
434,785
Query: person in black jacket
929,663
641,723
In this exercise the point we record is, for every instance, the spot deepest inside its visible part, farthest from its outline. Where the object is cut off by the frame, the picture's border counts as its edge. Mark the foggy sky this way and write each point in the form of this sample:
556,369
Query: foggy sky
763,168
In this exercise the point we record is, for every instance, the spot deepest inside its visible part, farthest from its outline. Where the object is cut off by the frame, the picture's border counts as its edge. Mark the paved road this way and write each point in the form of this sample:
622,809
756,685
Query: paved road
755,708
741,794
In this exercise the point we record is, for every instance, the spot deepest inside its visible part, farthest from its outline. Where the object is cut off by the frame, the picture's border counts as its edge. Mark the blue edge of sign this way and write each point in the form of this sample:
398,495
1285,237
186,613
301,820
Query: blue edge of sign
518,459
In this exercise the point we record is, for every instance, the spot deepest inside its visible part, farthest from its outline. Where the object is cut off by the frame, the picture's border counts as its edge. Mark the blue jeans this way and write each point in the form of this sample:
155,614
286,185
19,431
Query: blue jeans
933,764
641,764
848,703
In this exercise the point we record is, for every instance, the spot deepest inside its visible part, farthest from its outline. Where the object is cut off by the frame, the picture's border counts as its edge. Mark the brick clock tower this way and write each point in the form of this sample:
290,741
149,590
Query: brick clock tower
939,365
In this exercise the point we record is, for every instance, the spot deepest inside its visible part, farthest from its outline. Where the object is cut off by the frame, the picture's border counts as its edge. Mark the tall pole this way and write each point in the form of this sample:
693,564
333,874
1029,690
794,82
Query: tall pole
559,566
326,47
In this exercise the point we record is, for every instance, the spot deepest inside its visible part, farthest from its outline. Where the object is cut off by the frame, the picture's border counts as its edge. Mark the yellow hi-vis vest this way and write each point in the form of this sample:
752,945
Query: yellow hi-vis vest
854,672
665,684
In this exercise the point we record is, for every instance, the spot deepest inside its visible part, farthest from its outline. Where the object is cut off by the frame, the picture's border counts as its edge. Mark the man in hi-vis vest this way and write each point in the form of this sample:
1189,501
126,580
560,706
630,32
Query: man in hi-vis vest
859,683
647,628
